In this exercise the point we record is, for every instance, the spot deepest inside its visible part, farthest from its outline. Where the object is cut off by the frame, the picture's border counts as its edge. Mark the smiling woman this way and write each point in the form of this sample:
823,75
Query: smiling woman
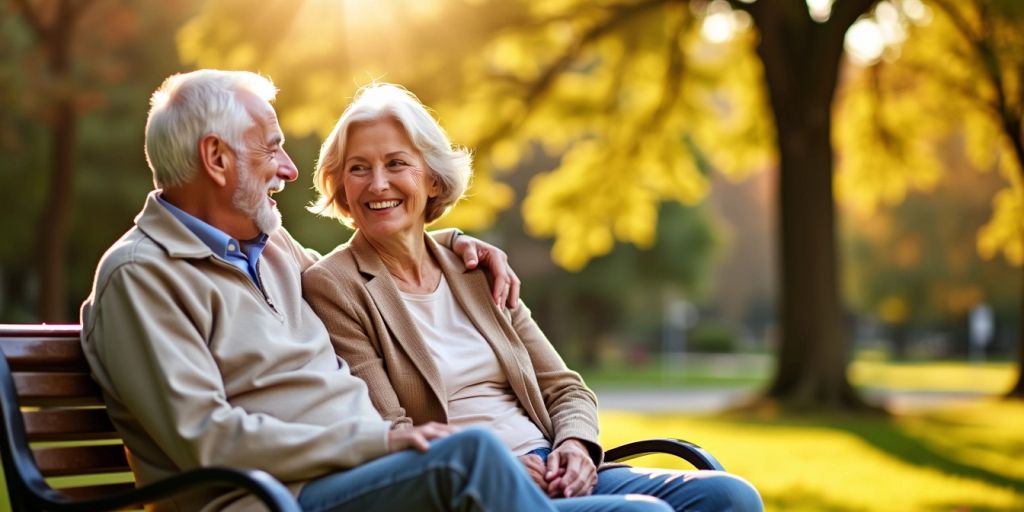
424,334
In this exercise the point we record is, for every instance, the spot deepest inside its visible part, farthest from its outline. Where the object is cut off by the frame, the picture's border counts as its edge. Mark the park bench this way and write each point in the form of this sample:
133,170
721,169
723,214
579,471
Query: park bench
55,425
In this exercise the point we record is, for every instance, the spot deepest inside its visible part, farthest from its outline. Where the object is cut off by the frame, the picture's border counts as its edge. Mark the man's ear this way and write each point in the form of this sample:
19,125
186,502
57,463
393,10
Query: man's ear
216,158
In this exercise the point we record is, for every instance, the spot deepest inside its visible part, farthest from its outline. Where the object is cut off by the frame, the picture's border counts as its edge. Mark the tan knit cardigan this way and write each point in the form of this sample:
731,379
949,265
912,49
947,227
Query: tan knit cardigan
354,295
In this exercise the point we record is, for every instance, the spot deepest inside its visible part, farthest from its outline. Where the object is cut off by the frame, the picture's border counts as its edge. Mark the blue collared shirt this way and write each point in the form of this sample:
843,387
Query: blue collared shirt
245,255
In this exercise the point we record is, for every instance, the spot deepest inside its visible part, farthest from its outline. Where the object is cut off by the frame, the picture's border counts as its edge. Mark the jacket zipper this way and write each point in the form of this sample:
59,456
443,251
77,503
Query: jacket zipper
258,287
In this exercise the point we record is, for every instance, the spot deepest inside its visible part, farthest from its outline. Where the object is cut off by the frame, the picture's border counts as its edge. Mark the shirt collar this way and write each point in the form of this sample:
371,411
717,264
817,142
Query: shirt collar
217,240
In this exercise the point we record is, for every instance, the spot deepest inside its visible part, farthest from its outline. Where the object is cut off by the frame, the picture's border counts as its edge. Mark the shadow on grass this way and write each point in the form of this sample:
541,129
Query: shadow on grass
886,436
966,507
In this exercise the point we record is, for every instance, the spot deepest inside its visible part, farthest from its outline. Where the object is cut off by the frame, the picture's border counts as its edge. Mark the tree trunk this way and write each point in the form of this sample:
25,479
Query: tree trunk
814,353
54,225
1017,391
801,61
55,221
1012,128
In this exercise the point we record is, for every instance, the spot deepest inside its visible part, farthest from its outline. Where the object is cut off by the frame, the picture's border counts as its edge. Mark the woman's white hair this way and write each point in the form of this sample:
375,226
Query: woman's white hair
190,106
451,166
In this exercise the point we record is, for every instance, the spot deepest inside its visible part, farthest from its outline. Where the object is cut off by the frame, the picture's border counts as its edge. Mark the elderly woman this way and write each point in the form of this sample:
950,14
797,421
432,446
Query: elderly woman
429,340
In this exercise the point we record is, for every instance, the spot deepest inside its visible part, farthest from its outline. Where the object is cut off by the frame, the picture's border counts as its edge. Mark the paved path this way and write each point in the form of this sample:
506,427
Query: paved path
689,400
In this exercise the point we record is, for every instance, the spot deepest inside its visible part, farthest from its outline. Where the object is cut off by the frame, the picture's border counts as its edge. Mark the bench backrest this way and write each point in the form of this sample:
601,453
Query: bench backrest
54,422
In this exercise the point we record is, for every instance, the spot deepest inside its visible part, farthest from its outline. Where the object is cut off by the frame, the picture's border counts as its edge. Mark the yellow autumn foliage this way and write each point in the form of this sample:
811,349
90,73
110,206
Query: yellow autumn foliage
902,119
628,102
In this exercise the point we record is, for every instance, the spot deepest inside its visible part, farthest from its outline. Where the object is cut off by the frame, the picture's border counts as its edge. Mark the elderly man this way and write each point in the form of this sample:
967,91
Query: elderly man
206,353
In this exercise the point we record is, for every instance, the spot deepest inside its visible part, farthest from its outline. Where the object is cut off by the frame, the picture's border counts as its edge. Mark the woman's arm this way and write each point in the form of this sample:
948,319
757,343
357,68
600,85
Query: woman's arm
571,468
570,403
349,327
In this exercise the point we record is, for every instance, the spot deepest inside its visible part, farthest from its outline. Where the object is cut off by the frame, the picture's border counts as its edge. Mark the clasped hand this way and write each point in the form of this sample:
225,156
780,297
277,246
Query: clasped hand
569,470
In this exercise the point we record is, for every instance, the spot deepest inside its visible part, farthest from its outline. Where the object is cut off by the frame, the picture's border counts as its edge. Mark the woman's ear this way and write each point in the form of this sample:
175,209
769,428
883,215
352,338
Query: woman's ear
215,158
341,200
435,187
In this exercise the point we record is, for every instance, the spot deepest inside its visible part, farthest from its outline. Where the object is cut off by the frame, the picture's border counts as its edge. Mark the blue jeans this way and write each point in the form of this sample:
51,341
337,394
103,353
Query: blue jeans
628,488
468,471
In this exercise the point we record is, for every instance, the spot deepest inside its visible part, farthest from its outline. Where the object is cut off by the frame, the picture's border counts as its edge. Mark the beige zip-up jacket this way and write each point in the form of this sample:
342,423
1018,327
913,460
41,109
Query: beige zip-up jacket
200,367
354,295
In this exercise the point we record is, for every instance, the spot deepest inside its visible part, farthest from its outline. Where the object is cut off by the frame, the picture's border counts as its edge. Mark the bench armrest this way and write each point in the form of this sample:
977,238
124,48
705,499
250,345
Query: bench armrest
699,457
264,487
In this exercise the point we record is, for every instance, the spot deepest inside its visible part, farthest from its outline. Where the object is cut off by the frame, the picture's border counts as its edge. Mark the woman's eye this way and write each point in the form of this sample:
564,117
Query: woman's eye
395,163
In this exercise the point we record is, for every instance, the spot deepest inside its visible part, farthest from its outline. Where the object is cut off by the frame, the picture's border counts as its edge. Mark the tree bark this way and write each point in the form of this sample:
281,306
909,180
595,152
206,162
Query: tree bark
1013,130
801,60
55,220
1017,390
54,224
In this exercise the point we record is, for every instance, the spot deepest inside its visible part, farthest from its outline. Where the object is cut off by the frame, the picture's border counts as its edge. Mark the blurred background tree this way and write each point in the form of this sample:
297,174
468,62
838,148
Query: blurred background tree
75,88
910,114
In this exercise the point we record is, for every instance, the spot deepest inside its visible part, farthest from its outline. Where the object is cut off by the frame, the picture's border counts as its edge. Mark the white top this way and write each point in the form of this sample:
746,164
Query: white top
478,390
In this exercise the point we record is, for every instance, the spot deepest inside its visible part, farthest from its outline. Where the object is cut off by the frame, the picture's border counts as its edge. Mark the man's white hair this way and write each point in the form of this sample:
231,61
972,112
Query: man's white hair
190,106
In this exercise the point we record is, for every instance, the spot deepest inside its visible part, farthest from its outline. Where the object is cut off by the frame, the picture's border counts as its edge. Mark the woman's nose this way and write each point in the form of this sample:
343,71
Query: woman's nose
379,180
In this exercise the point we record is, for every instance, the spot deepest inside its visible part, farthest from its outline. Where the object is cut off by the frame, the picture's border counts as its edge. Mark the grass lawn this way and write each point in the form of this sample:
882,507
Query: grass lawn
959,458
753,370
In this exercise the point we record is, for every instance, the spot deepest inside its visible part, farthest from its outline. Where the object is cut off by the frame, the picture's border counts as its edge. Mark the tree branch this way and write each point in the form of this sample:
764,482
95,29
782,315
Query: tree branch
675,64
75,9
33,20
845,12
953,84
738,5
616,17
1019,107
958,21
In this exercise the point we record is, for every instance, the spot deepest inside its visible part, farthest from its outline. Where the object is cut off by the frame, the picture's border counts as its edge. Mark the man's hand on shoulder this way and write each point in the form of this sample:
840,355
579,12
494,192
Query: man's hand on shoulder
475,252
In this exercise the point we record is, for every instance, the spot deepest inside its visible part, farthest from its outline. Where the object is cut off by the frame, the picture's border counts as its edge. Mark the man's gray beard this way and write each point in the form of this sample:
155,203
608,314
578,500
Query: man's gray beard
251,198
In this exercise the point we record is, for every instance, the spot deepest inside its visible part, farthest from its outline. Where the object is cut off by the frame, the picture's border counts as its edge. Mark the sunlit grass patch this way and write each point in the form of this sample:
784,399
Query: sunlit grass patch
751,370
957,459
988,435
960,376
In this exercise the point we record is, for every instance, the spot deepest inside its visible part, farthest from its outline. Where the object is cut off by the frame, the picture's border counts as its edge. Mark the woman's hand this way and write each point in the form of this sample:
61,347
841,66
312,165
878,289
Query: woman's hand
535,468
570,471
505,288
418,437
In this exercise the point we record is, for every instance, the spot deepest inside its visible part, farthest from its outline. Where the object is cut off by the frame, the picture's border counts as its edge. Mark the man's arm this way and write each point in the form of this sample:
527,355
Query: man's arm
473,251
154,361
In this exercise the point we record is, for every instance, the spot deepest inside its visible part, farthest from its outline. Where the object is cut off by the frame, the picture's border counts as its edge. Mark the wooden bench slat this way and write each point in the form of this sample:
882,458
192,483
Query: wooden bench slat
97,491
69,424
45,388
40,330
81,460
52,352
